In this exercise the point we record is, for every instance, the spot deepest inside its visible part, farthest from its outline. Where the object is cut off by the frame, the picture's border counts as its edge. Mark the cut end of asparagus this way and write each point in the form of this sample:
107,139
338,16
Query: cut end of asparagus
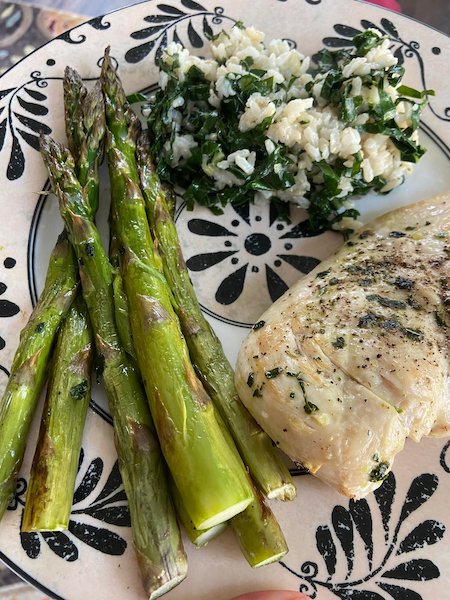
225,515
158,582
204,536
259,534
286,492
198,537
271,559
169,585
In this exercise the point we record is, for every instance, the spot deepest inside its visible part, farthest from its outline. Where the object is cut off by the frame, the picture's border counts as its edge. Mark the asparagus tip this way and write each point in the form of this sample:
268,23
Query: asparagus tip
72,77
106,64
54,152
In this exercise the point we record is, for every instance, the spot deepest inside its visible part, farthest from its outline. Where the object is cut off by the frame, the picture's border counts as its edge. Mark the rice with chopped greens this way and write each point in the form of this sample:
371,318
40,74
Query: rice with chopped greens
258,121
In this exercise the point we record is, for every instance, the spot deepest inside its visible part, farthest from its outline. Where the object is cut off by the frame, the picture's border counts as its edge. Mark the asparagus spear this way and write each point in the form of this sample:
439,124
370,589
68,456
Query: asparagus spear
259,534
29,367
156,535
210,479
50,489
75,93
85,128
54,469
30,362
199,537
255,446
120,299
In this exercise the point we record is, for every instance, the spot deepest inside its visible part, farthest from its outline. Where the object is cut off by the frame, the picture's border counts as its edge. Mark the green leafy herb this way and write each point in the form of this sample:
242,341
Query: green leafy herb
365,41
78,392
273,372
367,320
349,108
323,274
137,97
387,302
412,302
380,472
403,283
310,408
257,393
413,334
328,60
40,327
339,343
440,320
412,93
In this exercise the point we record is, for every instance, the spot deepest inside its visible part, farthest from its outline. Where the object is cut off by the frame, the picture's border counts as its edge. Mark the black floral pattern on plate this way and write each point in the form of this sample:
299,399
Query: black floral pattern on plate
338,539
242,249
401,48
22,113
8,308
165,27
108,506
444,459
72,36
99,23
22,109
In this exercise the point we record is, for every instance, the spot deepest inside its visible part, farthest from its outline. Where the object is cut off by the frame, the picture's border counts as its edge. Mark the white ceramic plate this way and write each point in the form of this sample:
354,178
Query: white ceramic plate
391,545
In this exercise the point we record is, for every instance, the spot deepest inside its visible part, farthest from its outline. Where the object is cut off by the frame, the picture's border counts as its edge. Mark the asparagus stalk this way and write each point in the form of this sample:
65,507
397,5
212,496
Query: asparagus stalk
85,128
156,534
29,366
211,481
54,470
199,537
120,299
259,534
75,93
258,531
255,446
30,362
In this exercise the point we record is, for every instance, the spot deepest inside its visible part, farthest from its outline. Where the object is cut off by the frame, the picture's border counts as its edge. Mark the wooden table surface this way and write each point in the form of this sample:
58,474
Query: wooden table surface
432,12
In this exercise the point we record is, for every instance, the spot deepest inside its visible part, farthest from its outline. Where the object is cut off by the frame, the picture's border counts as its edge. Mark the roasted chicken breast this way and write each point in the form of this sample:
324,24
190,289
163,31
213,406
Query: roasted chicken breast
354,358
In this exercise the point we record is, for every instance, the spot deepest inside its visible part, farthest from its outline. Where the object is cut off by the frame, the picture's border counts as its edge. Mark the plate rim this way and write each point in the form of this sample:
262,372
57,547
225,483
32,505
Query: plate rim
30,270
130,6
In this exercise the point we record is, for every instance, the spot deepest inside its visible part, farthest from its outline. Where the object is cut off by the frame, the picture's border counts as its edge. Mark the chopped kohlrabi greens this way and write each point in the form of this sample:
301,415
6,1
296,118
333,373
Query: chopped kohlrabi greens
259,122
